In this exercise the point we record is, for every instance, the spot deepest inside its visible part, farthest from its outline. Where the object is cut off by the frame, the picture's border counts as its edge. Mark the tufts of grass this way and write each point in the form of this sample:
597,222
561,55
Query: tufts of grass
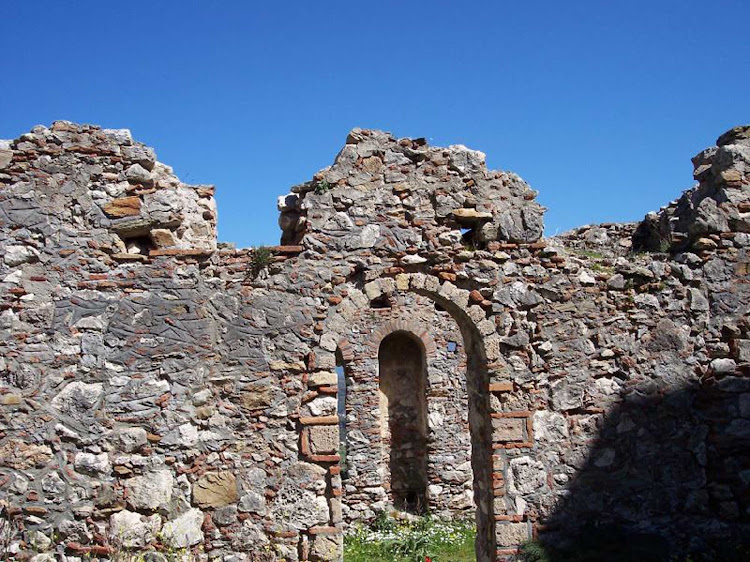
426,538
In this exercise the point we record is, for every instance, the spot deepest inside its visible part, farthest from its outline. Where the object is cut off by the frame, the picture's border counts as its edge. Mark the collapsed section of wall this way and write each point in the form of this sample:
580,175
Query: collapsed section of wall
717,206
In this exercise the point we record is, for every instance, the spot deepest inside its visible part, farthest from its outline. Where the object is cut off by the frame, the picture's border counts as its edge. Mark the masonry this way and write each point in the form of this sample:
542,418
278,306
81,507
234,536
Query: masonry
160,391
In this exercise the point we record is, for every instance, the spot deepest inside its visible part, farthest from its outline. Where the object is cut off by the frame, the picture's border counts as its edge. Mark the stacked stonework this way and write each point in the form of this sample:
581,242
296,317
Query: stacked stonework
160,393
718,206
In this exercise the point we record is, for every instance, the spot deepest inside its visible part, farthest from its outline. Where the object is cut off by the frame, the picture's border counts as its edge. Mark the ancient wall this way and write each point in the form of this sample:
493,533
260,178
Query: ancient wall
161,392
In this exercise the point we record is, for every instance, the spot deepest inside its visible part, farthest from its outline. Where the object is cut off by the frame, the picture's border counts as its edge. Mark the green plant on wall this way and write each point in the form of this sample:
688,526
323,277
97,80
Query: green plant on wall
322,187
262,258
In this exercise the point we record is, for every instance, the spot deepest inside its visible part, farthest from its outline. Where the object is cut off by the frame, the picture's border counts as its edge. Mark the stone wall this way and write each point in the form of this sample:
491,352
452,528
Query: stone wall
160,392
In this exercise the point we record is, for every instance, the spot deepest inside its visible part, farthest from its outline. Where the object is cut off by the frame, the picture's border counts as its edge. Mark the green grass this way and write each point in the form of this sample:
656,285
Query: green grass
388,540
583,252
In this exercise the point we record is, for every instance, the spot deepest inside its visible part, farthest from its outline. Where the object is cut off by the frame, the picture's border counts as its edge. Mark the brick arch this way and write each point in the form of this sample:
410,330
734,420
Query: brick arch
471,318
482,347
418,331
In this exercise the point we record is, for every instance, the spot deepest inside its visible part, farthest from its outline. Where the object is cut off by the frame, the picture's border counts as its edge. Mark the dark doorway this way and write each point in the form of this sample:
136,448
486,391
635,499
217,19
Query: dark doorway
403,379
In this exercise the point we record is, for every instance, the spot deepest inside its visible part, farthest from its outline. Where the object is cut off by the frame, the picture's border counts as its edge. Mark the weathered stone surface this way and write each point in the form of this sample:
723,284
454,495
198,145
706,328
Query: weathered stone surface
326,547
132,530
78,398
162,238
550,427
124,207
252,502
526,475
512,534
324,439
257,396
150,491
17,255
215,489
132,438
93,464
6,156
508,429
17,454
185,530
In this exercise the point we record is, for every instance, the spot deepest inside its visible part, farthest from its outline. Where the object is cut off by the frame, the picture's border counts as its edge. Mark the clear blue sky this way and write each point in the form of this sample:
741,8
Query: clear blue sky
599,105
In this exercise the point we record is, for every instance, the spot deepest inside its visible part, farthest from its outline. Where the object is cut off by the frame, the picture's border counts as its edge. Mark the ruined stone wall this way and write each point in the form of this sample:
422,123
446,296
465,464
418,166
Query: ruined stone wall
161,392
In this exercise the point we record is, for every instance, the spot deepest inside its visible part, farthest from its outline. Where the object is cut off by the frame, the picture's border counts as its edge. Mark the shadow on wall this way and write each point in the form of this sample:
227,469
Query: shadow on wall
667,477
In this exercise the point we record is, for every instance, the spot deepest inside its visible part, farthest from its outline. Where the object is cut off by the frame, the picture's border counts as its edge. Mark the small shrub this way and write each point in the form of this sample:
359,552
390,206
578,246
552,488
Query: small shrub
534,551
262,258
322,187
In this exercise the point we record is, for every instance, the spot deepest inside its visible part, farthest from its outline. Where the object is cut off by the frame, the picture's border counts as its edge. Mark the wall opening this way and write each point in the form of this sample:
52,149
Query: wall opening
341,409
383,301
403,410
138,244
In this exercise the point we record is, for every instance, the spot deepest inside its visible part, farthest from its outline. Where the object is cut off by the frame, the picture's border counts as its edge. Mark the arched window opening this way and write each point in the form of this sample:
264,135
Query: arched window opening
403,410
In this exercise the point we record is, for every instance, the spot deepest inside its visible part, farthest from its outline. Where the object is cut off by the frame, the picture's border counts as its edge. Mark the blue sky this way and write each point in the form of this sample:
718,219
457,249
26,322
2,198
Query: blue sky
598,105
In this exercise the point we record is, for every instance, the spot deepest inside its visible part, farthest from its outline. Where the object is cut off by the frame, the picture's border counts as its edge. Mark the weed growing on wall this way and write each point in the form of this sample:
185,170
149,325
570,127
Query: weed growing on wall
262,258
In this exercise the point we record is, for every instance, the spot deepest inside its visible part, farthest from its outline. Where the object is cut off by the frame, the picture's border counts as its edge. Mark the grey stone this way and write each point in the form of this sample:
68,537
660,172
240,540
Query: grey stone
185,530
132,530
78,398
550,427
252,502
150,491
17,255
723,366
226,515
92,464
526,475
138,174
132,438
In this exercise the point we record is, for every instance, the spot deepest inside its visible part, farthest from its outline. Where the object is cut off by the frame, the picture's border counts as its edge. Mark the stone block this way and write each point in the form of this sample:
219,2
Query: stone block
92,464
6,156
742,351
185,530
163,238
550,427
77,399
508,429
123,207
511,534
326,548
256,396
150,491
323,378
215,489
373,290
132,438
526,475
132,530
324,439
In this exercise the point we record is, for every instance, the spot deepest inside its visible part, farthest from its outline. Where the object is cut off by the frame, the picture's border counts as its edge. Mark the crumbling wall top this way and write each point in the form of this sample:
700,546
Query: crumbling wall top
83,185
401,195
719,203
